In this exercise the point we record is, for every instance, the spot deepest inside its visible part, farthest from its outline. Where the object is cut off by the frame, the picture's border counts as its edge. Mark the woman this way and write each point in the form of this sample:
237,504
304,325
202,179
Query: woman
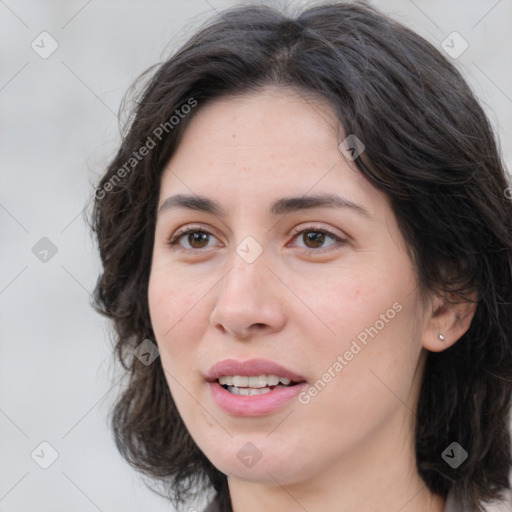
309,217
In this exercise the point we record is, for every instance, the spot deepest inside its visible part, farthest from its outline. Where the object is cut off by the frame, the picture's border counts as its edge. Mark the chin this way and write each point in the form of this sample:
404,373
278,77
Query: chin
272,466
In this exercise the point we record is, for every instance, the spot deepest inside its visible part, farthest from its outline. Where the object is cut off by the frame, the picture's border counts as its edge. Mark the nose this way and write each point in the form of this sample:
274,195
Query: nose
249,301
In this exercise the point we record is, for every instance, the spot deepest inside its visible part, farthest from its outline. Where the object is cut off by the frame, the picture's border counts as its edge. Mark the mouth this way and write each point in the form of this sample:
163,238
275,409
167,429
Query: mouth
252,385
256,387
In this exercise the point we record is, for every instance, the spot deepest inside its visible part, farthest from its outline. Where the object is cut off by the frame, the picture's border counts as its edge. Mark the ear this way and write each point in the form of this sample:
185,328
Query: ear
450,320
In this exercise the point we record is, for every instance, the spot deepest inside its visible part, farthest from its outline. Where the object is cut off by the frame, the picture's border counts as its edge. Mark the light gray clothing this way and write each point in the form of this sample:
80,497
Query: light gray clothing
452,505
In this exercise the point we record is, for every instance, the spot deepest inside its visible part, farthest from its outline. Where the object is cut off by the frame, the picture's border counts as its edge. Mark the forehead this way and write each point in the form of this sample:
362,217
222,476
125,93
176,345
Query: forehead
272,123
250,146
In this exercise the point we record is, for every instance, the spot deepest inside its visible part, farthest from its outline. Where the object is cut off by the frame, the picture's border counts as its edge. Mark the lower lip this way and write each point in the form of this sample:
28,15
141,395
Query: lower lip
255,405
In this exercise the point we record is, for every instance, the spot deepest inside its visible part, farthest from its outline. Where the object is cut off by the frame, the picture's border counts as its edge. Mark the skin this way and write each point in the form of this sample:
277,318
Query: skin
301,304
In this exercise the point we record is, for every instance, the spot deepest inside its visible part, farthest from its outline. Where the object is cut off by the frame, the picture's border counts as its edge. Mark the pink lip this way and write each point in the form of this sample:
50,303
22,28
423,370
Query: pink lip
250,367
256,405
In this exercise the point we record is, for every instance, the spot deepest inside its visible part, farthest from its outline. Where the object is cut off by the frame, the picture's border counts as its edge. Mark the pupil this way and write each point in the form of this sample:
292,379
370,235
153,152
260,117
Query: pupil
197,236
316,238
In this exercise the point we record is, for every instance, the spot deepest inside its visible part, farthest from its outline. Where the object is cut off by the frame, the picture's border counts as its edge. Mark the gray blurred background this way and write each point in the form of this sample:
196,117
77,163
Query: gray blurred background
58,129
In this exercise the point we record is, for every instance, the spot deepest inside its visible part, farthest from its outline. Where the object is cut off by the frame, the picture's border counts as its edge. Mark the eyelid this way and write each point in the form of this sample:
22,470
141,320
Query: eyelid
174,238
311,227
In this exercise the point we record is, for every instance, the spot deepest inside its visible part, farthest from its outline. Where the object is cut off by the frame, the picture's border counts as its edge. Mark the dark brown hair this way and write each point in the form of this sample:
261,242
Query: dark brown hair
429,148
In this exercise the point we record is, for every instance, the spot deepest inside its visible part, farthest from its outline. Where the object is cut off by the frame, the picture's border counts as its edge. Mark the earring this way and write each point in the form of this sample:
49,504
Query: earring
441,337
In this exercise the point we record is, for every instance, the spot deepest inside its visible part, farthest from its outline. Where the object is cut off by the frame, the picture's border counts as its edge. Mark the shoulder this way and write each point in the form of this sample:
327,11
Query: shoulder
212,507
454,504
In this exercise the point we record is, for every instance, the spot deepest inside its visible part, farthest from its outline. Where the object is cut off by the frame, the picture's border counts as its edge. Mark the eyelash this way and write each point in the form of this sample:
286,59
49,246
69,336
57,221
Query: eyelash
199,229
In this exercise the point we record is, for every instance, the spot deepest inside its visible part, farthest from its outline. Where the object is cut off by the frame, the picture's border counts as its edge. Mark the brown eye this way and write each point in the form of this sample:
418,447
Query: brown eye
314,239
195,238
199,238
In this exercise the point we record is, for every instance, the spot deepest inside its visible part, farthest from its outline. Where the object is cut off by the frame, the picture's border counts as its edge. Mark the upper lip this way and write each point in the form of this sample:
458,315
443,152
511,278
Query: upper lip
250,367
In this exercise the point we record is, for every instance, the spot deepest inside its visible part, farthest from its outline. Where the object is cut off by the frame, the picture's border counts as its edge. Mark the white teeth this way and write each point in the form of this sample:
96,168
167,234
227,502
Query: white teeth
247,391
226,380
240,382
257,382
273,380
254,382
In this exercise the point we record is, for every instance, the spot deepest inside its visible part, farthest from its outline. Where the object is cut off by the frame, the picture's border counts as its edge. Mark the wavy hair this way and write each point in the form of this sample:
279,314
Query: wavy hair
429,147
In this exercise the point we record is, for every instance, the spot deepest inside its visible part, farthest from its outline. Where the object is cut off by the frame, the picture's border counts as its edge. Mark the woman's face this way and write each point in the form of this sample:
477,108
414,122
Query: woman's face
327,292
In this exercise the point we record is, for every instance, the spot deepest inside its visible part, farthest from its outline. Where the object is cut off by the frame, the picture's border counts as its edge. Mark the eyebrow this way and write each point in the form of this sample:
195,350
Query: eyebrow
279,207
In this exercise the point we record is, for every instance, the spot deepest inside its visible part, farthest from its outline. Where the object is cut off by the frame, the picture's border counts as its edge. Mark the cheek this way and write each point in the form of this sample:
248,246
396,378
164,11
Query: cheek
174,320
373,340
171,300
348,300
162,301
174,312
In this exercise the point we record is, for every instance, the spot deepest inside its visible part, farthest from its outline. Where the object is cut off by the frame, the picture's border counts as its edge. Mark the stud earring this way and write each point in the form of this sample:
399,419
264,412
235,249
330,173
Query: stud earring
441,337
